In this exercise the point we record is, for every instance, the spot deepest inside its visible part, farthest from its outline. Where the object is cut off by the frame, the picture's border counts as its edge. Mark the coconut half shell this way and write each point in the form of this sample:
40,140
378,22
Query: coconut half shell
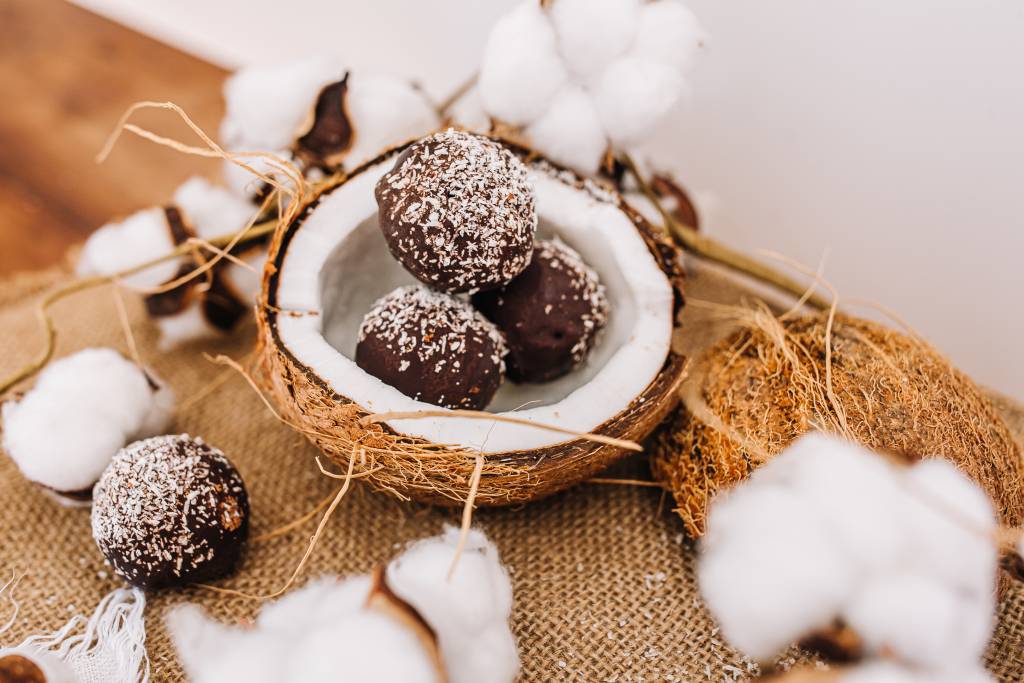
330,262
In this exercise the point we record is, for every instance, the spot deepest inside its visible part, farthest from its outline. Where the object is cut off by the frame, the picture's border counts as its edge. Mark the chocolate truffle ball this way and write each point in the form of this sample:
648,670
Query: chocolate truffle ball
550,315
457,210
170,510
432,347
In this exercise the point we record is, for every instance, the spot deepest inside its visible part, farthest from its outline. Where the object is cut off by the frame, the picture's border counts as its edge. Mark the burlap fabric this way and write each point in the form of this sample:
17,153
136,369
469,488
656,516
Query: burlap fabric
603,574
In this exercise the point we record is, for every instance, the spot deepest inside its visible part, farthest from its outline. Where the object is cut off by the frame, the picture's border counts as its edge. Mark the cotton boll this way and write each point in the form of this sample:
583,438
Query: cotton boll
160,416
363,646
769,571
117,246
247,281
109,385
492,658
182,328
468,112
13,663
472,605
245,183
212,211
521,69
882,672
385,112
211,652
42,448
191,323
478,593
633,94
215,212
570,131
321,633
838,477
317,604
914,619
949,520
669,33
891,672
266,106
83,409
591,33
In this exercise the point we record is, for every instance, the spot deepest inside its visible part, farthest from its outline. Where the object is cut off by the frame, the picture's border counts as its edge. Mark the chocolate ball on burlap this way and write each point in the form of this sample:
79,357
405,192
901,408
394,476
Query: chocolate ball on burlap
457,210
169,511
432,347
551,314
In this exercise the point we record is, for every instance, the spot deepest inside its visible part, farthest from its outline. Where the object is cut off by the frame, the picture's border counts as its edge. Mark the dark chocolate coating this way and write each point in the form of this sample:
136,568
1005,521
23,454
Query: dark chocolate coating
432,347
170,511
550,315
457,210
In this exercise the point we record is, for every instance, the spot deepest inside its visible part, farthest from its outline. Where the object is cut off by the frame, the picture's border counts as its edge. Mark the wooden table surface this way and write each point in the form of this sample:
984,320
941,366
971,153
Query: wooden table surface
66,76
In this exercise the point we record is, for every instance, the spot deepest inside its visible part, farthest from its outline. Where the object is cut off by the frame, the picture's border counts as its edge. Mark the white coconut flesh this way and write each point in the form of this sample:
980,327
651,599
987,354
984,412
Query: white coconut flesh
337,264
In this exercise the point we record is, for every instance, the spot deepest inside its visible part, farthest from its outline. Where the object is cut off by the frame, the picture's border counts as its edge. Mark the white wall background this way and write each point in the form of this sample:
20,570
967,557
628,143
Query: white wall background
888,133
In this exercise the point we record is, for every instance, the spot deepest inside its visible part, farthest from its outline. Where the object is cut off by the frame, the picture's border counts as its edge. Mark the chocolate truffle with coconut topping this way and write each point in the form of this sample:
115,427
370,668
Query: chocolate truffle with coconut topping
457,210
432,347
550,315
169,511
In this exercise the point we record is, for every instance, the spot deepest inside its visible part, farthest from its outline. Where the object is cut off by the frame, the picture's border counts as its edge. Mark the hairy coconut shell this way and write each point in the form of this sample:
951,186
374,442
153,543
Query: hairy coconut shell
753,393
416,468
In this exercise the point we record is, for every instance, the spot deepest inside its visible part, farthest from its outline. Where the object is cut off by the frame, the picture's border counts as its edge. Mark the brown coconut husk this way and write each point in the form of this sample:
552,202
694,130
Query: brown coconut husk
414,468
774,379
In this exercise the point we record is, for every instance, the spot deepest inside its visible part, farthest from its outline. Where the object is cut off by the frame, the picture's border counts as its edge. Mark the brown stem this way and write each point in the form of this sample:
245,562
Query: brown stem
82,284
702,245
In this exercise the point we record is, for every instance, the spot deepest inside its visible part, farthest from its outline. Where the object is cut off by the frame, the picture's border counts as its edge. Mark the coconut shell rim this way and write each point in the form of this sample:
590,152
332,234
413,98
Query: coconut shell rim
635,422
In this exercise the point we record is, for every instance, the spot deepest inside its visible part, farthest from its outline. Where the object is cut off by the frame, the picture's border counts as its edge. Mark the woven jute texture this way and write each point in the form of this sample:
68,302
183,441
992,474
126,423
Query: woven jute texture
603,574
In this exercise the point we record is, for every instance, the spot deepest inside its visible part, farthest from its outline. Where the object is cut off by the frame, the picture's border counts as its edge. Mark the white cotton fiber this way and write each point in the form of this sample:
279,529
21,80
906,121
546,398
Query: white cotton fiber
768,570
521,69
633,94
247,184
550,70
915,618
473,604
212,211
385,112
570,131
468,112
266,106
182,328
669,33
117,246
82,410
949,519
916,561
363,646
316,605
591,33
835,477
215,212
892,672
324,632
211,652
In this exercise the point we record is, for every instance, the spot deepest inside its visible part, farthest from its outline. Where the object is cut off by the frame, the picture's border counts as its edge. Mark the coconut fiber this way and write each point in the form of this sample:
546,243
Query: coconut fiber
603,574
751,394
